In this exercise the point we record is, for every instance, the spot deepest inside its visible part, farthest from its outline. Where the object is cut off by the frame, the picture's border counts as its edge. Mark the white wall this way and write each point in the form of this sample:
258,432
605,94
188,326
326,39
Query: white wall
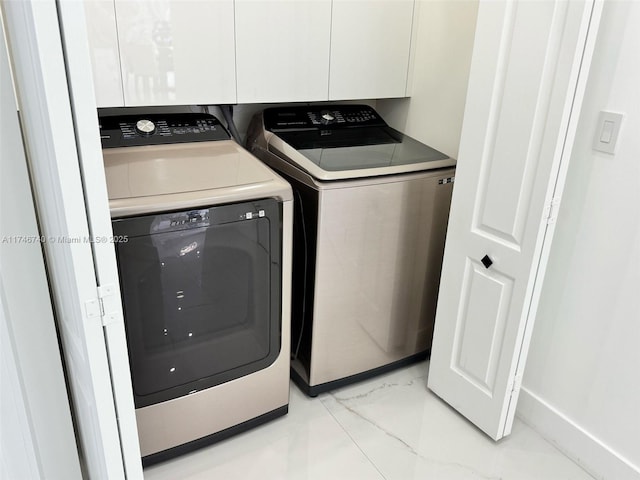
441,49
582,382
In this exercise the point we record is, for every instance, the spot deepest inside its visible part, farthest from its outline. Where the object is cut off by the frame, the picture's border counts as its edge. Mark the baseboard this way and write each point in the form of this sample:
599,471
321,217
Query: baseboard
575,442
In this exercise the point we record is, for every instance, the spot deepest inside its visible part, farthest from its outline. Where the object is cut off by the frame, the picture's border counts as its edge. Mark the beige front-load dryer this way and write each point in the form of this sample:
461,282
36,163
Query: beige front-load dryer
203,242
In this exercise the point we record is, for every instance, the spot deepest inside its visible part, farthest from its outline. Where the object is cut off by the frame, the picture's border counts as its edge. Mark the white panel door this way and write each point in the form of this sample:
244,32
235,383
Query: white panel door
177,52
34,35
105,56
282,50
36,431
529,65
370,43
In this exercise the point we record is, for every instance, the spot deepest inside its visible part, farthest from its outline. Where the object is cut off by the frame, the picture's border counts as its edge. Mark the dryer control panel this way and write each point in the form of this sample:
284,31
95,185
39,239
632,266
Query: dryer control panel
160,129
321,117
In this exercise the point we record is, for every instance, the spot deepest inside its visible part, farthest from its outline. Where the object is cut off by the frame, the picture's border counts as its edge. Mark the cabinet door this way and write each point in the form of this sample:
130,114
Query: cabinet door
177,52
105,58
282,50
370,42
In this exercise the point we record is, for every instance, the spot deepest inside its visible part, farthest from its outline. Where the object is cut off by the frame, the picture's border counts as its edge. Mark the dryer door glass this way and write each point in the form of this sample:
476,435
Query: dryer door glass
201,295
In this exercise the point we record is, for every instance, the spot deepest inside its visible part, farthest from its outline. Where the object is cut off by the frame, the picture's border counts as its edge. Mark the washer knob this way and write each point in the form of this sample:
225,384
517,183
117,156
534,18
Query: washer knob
145,127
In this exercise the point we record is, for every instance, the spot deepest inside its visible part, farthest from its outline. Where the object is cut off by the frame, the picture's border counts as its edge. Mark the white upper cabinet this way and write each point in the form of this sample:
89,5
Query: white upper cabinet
105,58
370,43
282,50
197,52
177,52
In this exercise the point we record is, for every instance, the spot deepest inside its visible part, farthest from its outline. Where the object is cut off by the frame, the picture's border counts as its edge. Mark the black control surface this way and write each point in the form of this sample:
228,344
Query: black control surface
321,117
329,126
159,129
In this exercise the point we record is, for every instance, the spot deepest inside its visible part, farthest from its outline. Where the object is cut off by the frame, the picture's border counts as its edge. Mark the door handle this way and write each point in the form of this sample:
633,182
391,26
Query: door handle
486,261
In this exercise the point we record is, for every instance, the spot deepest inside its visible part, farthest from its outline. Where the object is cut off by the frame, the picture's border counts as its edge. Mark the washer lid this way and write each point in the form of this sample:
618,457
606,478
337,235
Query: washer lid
332,142
160,177
361,160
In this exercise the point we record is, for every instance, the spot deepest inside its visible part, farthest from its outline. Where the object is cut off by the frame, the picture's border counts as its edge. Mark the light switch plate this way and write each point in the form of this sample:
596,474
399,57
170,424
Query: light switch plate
607,130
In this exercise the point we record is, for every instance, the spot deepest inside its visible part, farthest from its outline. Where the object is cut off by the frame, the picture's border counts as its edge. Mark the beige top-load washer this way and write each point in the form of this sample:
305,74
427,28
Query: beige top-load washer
371,211
203,243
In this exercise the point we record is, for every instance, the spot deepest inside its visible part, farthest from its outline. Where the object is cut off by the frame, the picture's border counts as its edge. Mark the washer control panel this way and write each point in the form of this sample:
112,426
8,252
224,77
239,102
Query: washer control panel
158,129
321,117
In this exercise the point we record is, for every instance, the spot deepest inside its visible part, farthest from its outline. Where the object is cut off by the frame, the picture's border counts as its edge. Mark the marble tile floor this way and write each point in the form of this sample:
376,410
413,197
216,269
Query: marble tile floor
390,427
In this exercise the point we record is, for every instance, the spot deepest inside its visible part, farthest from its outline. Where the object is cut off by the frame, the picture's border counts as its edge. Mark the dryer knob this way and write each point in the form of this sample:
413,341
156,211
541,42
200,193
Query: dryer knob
145,127
327,117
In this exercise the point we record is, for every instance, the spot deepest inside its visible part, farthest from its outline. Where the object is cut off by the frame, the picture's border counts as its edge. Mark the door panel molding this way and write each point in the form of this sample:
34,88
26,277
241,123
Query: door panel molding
520,107
481,290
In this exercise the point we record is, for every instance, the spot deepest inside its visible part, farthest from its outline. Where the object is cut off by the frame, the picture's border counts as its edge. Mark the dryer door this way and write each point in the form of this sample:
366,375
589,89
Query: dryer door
201,295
